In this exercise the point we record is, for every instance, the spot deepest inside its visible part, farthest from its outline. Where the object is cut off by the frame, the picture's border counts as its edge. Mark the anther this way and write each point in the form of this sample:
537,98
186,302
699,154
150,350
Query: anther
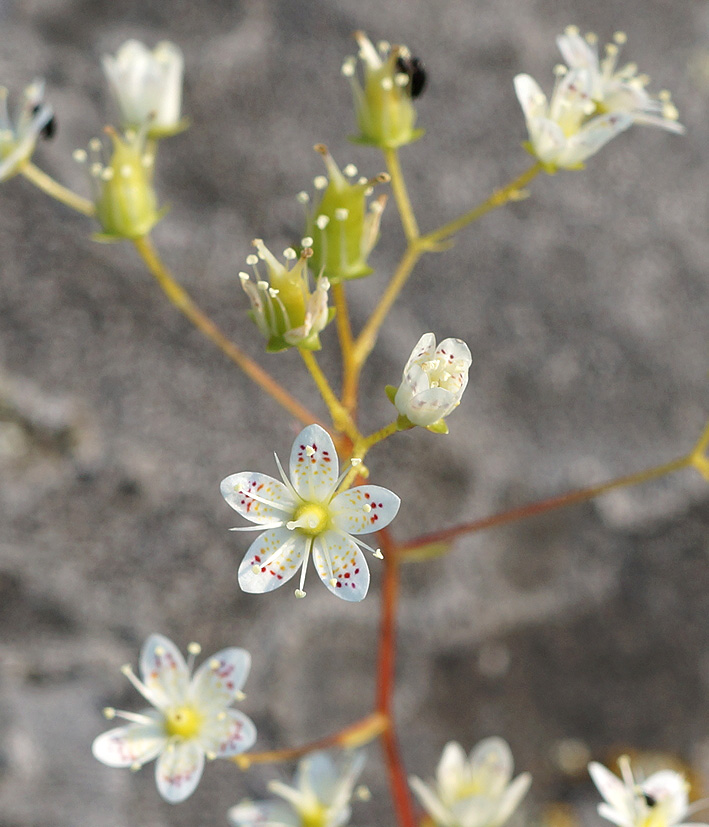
240,696
333,582
214,664
299,593
320,182
378,554
95,145
342,214
244,277
591,38
96,169
401,79
251,260
384,46
366,508
211,755
109,713
664,95
79,155
356,460
309,450
362,793
560,70
306,241
221,716
273,292
255,569
194,648
289,254
348,67
387,84
160,651
127,669
303,197
620,38
126,171
322,221
350,170
135,766
107,174
571,31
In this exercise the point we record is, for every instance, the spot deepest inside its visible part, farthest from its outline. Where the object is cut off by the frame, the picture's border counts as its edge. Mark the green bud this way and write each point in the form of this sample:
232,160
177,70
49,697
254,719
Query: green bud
284,309
383,104
343,228
126,203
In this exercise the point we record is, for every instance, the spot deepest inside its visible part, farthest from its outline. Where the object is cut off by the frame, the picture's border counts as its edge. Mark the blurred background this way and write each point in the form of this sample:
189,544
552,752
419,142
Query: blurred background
574,635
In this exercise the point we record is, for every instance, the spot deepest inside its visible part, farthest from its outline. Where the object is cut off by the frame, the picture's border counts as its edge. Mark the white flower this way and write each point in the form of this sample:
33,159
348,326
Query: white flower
658,801
304,515
320,796
434,380
592,102
147,86
18,138
192,716
473,792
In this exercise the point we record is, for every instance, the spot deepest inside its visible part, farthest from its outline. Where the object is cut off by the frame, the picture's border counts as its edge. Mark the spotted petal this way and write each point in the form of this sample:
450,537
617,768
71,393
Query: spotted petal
341,565
231,734
263,814
164,671
259,498
597,133
218,680
272,559
430,405
128,745
178,771
423,350
364,509
313,464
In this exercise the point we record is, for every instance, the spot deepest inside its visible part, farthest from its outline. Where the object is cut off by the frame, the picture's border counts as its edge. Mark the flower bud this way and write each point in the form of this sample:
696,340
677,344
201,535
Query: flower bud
433,382
344,228
385,113
17,140
126,203
282,306
147,87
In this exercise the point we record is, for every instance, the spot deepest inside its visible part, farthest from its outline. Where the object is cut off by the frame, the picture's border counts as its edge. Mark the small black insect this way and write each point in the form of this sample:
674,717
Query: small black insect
650,800
415,69
50,128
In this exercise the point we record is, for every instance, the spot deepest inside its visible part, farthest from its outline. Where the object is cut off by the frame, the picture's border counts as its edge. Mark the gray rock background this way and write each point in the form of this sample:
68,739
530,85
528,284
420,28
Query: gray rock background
585,309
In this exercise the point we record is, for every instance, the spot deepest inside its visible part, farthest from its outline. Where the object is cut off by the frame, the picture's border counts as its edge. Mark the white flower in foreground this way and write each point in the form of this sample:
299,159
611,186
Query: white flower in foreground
18,138
304,515
658,801
192,716
319,797
434,380
147,86
592,102
476,791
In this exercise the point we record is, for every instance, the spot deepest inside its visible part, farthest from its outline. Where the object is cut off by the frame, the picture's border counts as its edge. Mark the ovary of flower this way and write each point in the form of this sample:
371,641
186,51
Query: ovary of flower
147,86
319,796
434,380
658,801
591,103
191,718
476,791
18,136
304,515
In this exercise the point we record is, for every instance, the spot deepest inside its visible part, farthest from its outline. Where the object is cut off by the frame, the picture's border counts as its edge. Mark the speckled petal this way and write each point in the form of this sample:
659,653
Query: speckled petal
279,501
364,509
313,464
227,734
218,680
597,133
348,571
272,559
128,745
164,671
431,405
178,771
263,814
423,350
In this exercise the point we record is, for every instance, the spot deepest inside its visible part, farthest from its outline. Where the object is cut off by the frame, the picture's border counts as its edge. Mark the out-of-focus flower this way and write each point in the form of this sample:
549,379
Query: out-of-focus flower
147,87
282,306
433,382
474,791
304,515
383,103
319,796
343,227
18,136
192,717
658,801
592,102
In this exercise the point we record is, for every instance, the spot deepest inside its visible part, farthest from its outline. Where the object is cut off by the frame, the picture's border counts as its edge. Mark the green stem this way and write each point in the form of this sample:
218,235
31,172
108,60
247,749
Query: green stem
56,190
401,195
340,417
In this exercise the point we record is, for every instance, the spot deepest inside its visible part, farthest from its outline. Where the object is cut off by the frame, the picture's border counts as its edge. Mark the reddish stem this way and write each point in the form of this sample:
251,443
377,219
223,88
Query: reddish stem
386,662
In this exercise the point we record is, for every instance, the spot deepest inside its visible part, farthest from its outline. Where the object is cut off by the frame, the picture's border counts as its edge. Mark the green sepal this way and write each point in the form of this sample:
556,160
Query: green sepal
439,427
355,274
390,391
403,423
415,134
110,238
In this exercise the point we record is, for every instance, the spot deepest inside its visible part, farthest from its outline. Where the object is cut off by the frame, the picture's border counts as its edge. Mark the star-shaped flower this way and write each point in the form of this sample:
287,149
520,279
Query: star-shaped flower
306,515
319,797
476,791
192,717
658,801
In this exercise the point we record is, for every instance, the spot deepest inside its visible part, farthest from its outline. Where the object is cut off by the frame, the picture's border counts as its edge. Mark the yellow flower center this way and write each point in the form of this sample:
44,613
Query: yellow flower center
183,722
310,519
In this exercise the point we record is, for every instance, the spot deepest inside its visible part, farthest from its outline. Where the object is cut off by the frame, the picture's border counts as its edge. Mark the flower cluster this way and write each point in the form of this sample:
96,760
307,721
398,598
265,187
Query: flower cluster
593,101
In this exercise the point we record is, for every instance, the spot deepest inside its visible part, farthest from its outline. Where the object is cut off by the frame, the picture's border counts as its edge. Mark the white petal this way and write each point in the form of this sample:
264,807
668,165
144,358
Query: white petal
272,559
164,671
669,789
614,816
272,503
512,797
364,509
128,745
596,134
263,814
431,803
577,52
431,405
313,464
218,680
618,796
317,773
530,96
423,350
178,771
228,734
491,766
450,773
348,568
455,351
547,139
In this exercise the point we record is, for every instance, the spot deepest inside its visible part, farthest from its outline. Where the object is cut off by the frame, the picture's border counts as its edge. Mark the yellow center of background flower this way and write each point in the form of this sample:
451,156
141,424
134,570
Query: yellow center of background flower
183,722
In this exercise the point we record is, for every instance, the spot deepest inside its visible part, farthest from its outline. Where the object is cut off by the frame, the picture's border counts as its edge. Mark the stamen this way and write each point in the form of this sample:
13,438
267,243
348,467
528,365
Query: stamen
135,766
240,696
309,450
211,756
350,170
306,241
109,713
289,254
214,664
620,38
133,717
285,479
127,670
342,214
79,155
303,570
349,66
571,31
193,649
251,259
387,84
320,182
299,593
303,197
95,145
107,174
